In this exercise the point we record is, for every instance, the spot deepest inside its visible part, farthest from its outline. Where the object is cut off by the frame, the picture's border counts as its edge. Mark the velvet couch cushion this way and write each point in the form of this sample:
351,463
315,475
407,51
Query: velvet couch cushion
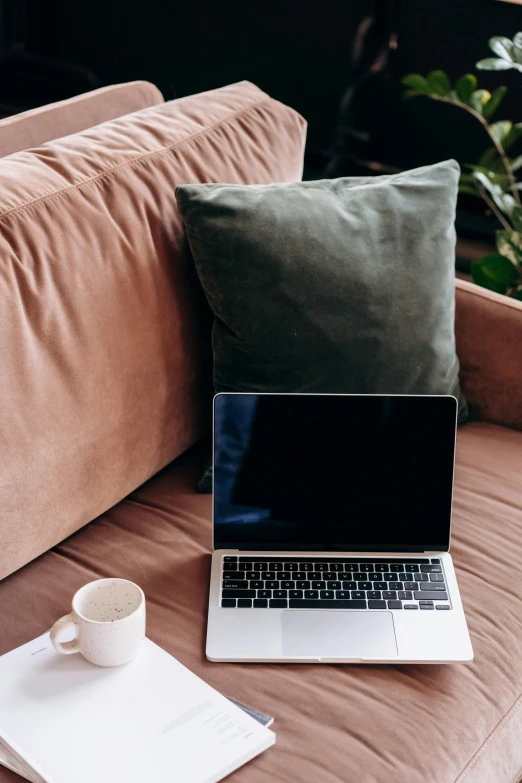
104,331
370,724
337,286
37,126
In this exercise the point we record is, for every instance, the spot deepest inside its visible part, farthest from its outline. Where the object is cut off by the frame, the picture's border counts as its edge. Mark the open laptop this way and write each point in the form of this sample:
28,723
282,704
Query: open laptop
331,521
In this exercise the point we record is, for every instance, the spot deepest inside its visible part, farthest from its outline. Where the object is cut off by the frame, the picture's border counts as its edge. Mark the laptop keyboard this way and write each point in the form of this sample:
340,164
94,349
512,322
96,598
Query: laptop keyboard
294,583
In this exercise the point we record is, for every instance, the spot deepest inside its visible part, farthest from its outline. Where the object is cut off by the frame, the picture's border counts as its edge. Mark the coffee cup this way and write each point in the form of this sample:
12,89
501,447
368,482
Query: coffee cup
108,622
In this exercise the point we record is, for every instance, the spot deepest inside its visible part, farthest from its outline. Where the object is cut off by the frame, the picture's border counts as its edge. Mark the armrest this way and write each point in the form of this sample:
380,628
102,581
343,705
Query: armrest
488,332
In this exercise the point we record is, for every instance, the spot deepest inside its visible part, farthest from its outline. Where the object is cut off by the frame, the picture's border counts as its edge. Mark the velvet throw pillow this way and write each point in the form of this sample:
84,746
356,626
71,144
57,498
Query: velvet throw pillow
342,286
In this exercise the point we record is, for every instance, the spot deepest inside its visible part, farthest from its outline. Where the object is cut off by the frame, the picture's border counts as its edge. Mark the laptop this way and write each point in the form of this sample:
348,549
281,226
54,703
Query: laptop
331,524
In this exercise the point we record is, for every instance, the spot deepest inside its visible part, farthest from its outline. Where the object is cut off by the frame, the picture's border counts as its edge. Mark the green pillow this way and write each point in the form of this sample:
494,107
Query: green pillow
341,286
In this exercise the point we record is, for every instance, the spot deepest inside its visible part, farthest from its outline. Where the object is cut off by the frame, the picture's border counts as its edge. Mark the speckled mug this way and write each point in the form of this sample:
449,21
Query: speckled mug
108,619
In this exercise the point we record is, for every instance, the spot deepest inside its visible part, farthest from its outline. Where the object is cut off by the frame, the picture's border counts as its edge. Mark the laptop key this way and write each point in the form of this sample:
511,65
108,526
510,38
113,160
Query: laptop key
333,585
435,560
228,602
260,566
253,575
435,588
358,594
374,576
365,567
389,595
245,566
272,584
349,585
336,567
230,567
280,594
311,594
303,584
404,577
321,566
295,593
410,585
318,585
431,569
422,578
342,594
230,559
236,584
411,606
288,585
394,604
233,574
264,594
336,604
329,575
260,603
278,603
396,585
405,595
285,575
306,566
396,567
390,577
268,575
238,594
276,567
433,596
436,577
365,586
291,566
411,567
257,585
426,606
244,603
374,595
380,585
360,576
376,604
314,575
382,567
328,594
442,606
351,566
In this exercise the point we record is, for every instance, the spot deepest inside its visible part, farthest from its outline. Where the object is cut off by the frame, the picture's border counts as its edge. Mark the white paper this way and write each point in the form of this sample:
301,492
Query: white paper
151,720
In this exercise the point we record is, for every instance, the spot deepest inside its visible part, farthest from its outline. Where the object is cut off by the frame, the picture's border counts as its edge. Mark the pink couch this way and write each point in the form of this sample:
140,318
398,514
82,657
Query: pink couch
104,382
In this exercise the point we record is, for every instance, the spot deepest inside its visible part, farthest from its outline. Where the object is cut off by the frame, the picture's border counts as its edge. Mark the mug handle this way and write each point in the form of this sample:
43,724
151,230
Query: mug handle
67,648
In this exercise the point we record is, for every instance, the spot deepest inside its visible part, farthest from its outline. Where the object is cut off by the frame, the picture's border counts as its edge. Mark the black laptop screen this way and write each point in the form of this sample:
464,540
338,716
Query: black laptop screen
333,472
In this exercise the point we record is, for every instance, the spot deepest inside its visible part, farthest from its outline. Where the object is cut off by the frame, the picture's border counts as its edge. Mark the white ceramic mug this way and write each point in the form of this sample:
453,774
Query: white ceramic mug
108,620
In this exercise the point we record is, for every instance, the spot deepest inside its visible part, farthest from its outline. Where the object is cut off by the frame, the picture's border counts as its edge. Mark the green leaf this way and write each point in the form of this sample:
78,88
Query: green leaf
502,47
517,48
495,272
439,83
496,177
497,96
416,82
494,64
478,100
500,130
515,133
495,191
466,86
509,243
516,163
490,160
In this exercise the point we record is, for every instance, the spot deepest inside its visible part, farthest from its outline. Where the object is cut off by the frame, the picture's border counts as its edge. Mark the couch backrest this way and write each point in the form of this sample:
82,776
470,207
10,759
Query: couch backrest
104,331
37,126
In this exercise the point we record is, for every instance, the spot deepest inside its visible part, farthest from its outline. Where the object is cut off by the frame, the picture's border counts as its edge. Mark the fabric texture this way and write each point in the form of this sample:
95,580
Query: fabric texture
488,330
337,723
104,330
339,286
37,126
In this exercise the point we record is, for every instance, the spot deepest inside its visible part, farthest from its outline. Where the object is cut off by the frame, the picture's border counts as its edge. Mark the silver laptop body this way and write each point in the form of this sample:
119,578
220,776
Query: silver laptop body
331,522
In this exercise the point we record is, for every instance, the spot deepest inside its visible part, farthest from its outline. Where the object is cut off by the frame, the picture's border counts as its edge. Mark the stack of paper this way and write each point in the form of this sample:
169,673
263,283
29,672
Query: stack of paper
63,719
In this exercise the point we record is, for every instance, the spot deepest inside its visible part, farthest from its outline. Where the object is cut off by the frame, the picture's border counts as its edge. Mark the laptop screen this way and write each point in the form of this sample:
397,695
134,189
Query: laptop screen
333,472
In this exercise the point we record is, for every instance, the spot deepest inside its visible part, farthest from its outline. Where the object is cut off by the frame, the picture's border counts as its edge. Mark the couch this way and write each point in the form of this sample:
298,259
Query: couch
105,394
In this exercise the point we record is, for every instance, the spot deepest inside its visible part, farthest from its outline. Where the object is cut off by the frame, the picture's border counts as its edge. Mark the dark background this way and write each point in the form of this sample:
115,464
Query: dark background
302,53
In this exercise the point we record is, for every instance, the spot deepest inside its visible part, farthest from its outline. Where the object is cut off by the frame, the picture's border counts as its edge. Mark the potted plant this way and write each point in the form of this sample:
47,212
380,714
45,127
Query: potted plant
493,177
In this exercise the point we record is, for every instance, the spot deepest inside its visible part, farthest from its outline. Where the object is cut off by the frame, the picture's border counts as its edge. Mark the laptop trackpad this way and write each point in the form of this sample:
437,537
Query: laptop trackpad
338,634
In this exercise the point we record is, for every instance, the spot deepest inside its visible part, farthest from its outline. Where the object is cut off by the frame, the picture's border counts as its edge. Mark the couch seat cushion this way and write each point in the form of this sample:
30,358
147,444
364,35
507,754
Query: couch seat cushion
337,724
